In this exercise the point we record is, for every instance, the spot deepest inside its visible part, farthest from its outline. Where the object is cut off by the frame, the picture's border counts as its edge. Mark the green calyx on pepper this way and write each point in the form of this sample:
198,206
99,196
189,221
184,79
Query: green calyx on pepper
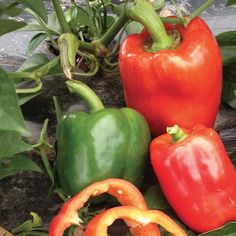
101,144
176,133
143,12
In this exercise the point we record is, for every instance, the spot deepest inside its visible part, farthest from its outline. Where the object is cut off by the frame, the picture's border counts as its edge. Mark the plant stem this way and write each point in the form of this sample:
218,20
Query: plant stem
114,29
46,163
14,4
73,2
177,10
46,30
92,19
22,74
43,70
41,147
68,46
88,47
61,17
172,20
176,133
57,108
34,89
86,93
199,10
61,194
35,75
104,16
143,12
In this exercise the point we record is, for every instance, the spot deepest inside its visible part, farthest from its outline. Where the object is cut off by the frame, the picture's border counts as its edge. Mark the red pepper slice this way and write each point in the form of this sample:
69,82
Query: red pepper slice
98,225
125,192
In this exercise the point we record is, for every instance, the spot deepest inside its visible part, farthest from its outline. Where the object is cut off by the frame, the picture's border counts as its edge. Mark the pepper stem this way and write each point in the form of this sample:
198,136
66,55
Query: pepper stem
93,101
199,10
61,17
143,12
114,29
176,133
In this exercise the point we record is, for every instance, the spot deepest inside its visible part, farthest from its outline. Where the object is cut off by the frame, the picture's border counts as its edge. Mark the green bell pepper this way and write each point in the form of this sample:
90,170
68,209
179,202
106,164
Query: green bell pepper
101,144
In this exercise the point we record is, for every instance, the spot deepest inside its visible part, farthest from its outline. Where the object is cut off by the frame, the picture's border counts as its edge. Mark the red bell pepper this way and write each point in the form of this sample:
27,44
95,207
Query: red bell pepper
125,192
196,176
174,84
99,224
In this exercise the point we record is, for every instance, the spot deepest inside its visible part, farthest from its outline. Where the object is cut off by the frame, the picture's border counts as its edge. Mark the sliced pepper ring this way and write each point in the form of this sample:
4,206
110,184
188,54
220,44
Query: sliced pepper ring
125,192
99,224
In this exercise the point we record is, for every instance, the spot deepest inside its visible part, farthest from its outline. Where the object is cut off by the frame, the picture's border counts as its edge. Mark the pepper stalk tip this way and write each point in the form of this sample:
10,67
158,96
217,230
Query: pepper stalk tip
176,133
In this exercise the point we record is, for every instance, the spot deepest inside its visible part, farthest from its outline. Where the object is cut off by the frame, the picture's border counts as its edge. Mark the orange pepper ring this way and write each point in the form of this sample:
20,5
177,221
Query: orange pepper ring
125,192
98,225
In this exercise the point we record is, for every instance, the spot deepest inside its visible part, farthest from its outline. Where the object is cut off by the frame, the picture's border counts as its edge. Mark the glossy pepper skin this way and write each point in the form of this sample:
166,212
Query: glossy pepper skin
197,177
99,145
180,86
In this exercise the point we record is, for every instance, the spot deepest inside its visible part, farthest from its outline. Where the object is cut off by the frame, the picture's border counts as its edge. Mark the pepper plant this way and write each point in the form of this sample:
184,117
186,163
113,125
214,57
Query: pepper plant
85,38
90,27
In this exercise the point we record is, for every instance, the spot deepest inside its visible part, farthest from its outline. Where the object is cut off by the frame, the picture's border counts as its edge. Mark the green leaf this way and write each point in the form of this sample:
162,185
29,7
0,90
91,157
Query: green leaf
191,233
53,24
13,11
117,9
77,17
229,93
29,224
158,4
7,25
16,165
227,230
34,62
230,2
229,85
226,38
228,54
11,144
4,4
55,70
133,27
32,26
35,42
11,118
24,98
155,198
233,156
36,6
9,8
71,231
110,21
33,233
